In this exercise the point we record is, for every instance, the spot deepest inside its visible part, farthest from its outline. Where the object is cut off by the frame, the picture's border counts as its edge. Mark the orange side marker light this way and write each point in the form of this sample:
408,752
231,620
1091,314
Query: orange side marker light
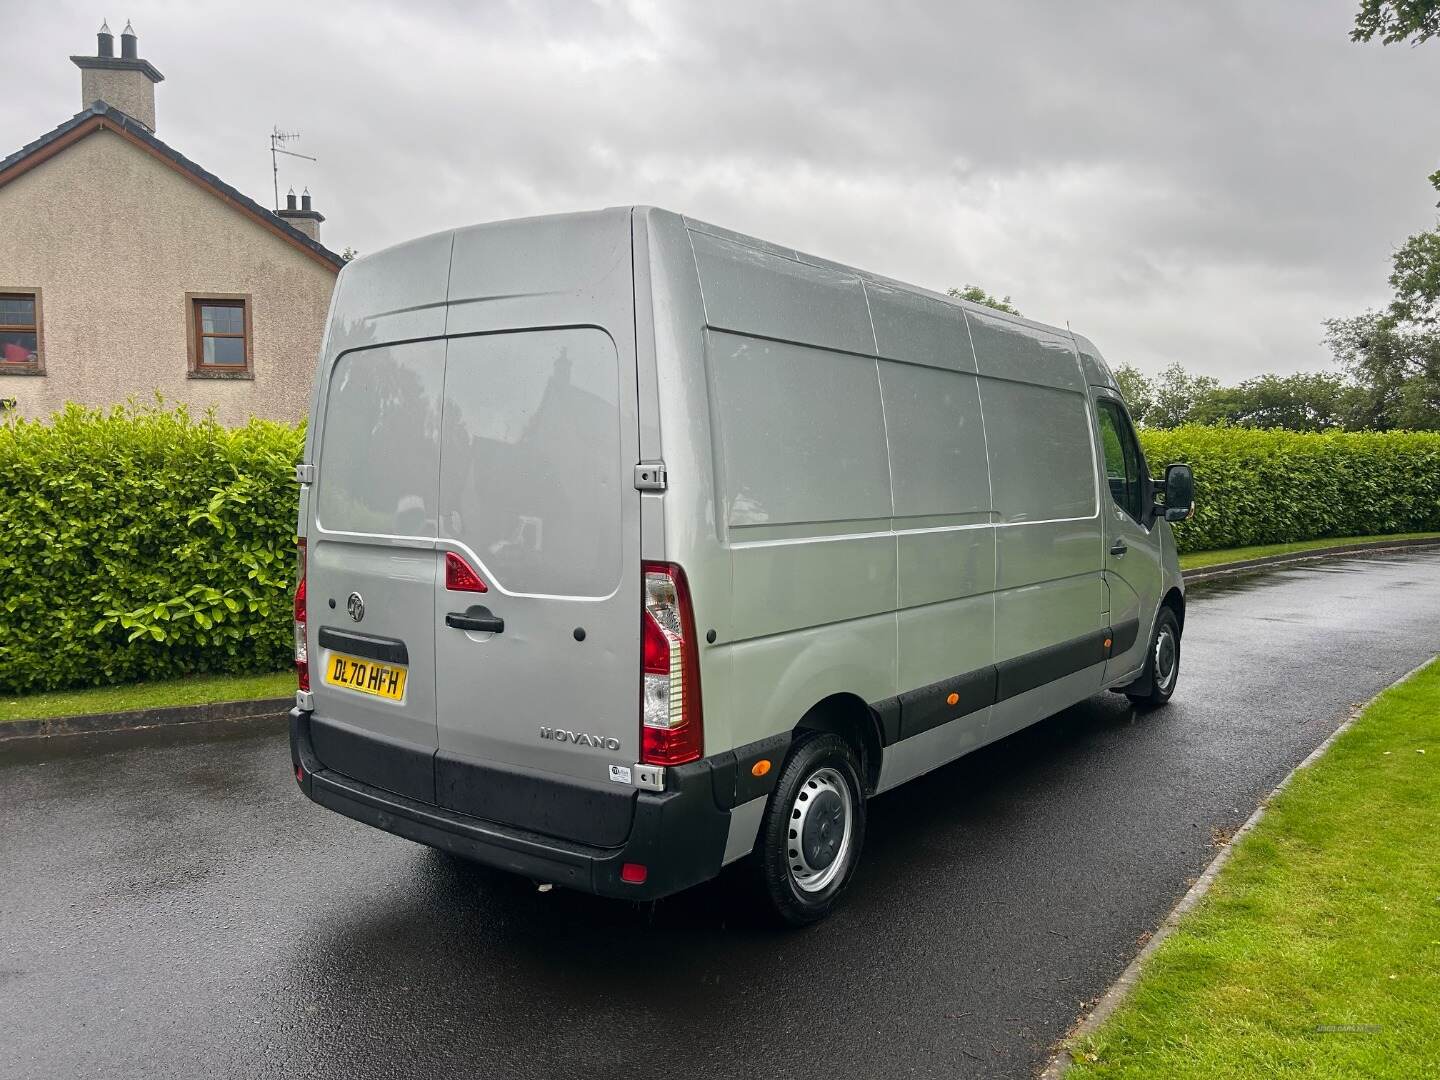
760,768
953,699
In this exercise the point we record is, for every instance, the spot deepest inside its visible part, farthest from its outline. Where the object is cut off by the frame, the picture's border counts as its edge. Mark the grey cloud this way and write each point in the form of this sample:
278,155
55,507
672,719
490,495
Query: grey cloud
1180,181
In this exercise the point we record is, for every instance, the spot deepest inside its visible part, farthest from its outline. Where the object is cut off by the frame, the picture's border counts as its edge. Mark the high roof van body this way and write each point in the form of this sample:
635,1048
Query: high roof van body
632,547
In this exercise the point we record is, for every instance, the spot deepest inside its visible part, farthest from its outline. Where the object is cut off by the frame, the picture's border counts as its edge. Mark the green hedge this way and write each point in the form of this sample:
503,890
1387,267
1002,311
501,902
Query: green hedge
1272,487
143,544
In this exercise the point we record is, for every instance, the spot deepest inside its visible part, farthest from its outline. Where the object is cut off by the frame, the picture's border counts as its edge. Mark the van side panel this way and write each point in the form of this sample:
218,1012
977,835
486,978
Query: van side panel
758,293
916,329
946,543
1050,601
683,524
1011,349
829,392
802,485
783,460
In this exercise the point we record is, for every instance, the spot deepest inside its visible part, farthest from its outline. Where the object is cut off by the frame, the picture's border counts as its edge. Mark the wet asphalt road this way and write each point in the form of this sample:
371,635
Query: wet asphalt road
171,905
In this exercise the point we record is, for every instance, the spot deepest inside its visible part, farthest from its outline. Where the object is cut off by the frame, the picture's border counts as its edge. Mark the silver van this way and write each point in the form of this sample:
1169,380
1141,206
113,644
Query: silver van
631,547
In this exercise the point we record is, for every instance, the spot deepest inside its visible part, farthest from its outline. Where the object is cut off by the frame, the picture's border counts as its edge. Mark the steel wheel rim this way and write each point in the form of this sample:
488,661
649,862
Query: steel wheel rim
1167,658
821,827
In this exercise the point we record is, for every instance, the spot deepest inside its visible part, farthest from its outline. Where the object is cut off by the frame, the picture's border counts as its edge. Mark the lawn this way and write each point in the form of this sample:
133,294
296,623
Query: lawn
1317,951
193,690
1197,559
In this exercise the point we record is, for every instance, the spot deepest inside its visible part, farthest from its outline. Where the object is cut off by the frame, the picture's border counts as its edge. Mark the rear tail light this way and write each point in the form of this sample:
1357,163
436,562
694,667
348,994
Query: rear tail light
671,729
302,651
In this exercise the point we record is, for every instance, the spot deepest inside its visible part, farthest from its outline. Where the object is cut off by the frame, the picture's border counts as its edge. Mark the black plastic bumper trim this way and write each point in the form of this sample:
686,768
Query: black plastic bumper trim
678,835
1124,636
734,775
378,760
917,711
1035,669
929,706
586,813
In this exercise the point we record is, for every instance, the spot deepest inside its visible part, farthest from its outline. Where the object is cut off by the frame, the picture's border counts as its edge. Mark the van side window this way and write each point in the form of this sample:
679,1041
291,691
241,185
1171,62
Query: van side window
1123,463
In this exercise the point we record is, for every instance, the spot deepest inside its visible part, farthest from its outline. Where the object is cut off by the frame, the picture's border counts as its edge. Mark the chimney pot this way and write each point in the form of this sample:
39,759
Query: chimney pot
306,218
125,83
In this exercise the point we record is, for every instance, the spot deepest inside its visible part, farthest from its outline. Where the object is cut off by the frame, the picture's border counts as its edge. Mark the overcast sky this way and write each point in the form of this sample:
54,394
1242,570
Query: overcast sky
1202,182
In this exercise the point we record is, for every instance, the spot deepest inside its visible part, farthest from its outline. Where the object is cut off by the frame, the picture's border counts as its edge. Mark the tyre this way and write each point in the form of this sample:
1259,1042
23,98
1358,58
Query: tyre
1162,664
812,831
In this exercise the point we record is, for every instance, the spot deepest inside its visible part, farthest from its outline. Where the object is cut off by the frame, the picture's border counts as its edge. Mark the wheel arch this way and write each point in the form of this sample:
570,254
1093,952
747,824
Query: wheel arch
847,715
1175,601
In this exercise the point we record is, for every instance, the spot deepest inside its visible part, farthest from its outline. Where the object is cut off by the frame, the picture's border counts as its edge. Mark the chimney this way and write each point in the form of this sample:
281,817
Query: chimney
305,219
123,82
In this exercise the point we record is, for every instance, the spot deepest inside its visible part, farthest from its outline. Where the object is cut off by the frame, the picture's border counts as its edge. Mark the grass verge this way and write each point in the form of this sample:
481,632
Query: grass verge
194,690
1195,560
1317,951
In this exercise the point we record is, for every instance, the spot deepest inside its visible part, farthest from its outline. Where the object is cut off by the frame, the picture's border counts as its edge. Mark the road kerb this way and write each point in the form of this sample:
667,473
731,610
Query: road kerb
1204,573
1120,989
136,719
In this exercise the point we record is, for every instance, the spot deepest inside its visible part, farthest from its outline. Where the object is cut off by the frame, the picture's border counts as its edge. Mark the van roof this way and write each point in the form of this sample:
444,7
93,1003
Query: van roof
696,225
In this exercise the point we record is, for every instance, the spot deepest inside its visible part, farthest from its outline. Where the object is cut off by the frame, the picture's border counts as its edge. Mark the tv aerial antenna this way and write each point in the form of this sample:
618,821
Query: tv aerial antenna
278,139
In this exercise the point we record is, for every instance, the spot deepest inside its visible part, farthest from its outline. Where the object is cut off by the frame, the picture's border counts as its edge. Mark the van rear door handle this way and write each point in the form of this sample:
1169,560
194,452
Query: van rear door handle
478,618
1118,548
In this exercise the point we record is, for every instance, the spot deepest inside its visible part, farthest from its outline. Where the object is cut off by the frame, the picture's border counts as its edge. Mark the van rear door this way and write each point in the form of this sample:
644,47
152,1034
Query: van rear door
372,565
539,441
534,498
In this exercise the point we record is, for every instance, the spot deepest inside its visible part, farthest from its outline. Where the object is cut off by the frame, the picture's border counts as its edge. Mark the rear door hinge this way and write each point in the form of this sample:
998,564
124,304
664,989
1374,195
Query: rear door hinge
650,476
304,474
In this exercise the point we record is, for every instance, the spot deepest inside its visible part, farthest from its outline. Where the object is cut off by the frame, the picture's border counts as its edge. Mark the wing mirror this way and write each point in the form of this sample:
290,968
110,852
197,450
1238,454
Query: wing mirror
1179,492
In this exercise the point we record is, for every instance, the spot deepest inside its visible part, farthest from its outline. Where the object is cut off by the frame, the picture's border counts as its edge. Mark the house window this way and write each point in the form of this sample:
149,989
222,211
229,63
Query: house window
22,340
219,336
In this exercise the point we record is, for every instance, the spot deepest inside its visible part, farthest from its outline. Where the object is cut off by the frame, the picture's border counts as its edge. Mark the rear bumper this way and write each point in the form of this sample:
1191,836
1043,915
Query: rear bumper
678,835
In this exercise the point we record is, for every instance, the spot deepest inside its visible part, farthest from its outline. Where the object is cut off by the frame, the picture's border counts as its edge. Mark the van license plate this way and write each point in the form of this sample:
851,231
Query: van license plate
368,677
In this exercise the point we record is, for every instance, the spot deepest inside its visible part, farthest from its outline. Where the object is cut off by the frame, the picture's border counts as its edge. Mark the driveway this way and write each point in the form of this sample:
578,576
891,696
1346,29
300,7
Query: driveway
171,905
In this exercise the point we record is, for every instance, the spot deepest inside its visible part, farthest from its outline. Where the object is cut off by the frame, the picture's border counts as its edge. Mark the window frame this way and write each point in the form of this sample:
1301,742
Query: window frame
1125,430
195,335
31,367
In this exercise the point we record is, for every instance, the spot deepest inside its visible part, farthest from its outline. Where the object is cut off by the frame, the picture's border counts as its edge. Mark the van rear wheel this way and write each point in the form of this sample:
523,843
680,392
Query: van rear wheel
1162,664
813,829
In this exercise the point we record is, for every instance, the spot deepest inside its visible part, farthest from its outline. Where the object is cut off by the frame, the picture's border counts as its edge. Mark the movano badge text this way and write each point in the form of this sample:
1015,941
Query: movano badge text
580,738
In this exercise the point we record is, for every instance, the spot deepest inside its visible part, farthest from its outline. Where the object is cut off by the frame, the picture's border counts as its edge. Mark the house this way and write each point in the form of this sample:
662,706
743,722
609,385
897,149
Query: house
127,269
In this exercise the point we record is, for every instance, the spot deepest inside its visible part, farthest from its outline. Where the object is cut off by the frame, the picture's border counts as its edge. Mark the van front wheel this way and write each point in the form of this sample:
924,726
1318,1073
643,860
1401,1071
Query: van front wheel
1162,664
813,829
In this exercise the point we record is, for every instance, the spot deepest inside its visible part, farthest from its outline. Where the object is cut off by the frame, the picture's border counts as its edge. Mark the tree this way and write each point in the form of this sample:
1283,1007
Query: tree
1396,368
1139,395
1182,398
1397,20
976,295
1416,280
1308,401
1394,355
